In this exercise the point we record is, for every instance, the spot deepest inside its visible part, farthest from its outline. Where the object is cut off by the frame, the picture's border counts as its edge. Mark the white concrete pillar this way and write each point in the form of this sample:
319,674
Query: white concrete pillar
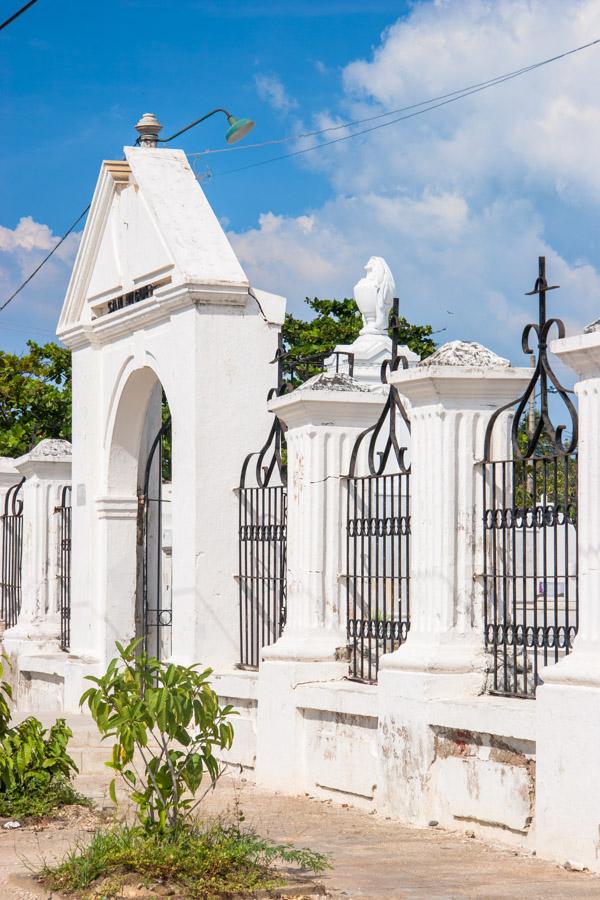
47,469
323,418
568,701
452,394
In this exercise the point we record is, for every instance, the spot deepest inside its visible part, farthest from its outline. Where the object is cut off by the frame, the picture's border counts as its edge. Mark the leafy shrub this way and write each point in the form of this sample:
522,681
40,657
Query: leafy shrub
166,721
218,860
35,768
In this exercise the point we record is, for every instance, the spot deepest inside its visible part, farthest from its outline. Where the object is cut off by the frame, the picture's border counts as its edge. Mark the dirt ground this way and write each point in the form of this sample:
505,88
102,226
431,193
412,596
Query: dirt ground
372,857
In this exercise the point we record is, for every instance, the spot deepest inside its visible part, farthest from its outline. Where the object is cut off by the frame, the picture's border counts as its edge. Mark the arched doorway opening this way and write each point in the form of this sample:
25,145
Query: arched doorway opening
155,607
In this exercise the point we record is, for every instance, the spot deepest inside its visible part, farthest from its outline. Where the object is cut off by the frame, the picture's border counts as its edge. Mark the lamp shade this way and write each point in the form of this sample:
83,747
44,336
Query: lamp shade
238,128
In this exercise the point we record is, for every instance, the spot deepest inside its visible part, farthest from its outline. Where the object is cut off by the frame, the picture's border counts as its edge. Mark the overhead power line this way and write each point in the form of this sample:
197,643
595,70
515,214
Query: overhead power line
426,106
46,258
414,109
18,13
457,94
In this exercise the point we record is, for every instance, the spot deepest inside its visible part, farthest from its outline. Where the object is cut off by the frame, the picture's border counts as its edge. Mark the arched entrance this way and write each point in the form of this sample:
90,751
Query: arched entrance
155,606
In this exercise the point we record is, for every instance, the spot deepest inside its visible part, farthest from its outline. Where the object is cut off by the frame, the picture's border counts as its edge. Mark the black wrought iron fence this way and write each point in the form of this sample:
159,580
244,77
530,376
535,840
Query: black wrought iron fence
262,531
378,534
262,546
64,566
12,554
156,599
530,577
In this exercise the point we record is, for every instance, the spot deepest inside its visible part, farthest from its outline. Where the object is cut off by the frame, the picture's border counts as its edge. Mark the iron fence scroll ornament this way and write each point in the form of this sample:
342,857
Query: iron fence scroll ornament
12,554
378,532
530,573
262,538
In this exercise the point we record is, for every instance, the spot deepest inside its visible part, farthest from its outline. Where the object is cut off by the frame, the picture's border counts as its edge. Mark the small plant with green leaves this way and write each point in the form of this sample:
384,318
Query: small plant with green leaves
35,768
166,723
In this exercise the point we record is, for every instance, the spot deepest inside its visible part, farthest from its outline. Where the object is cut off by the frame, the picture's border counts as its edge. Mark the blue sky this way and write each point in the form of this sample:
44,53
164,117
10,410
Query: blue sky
460,202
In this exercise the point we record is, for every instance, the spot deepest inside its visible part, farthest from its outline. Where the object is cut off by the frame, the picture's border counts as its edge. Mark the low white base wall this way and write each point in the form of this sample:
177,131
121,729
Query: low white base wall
479,776
469,762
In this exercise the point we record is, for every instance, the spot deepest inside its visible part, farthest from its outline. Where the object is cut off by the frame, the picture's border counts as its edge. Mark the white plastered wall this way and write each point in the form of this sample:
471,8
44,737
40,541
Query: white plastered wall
202,336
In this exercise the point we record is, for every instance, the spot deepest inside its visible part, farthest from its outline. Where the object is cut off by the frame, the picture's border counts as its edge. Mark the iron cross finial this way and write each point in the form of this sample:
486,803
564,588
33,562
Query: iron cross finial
541,285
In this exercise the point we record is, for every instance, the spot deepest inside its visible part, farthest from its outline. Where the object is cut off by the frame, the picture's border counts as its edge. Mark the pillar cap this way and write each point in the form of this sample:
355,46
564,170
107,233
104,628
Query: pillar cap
581,352
330,399
48,451
461,386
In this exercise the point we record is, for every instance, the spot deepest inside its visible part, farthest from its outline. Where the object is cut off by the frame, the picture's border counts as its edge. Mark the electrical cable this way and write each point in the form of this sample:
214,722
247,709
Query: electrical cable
419,112
46,258
428,105
18,13
465,91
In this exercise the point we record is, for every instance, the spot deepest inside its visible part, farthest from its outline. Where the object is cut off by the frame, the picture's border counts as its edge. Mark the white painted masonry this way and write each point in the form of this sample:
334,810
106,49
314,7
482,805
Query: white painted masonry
323,419
196,336
157,303
568,702
33,643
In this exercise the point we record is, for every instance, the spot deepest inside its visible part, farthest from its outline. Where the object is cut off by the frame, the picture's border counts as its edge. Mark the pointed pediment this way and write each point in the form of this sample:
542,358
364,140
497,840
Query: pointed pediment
150,232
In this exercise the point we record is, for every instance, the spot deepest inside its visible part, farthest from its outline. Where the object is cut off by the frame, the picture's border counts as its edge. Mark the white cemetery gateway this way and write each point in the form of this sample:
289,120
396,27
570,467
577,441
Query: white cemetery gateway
158,302
381,618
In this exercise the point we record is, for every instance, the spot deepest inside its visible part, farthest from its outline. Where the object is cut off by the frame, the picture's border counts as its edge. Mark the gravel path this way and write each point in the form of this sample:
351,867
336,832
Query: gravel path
372,857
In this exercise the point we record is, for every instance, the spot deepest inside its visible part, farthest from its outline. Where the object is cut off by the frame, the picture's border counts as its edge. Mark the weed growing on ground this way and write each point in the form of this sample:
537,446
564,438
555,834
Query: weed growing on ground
35,768
41,801
211,860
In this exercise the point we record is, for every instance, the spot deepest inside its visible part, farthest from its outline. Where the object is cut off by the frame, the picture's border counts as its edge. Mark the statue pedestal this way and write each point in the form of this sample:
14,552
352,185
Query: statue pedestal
369,351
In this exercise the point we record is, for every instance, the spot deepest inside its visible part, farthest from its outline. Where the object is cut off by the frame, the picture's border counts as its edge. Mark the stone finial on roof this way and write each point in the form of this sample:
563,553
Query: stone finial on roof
148,129
465,353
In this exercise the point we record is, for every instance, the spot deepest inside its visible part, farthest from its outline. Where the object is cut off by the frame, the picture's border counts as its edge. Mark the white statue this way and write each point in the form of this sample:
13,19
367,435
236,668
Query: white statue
374,295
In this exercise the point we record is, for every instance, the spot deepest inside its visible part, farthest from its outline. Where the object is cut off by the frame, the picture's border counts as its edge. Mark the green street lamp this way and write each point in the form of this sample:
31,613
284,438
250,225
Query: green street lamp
149,127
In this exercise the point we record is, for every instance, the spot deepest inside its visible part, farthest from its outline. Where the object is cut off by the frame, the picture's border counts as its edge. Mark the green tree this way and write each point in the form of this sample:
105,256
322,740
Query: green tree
35,397
339,322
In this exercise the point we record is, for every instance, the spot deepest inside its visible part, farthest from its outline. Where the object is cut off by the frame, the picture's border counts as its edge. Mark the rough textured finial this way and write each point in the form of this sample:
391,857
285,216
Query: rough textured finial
51,448
593,326
332,381
465,353
148,129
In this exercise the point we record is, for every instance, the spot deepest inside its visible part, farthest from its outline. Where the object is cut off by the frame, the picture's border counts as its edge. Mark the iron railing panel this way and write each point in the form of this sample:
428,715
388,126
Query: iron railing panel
377,577
64,567
530,557
12,555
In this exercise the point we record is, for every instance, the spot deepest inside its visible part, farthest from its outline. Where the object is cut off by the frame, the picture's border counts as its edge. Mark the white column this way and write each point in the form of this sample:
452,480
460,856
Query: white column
47,469
568,701
323,418
452,395
451,405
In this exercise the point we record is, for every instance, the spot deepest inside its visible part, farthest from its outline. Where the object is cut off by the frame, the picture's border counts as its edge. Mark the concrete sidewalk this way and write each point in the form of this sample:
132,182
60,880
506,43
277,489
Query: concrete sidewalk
372,857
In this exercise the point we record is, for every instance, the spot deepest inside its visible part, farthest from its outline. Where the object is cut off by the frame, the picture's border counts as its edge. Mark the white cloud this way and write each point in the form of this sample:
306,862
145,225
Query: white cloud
28,235
36,309
270,89
463,199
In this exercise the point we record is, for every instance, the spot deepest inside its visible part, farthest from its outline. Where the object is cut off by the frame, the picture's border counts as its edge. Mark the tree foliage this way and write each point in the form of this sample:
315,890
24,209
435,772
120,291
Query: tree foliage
339,322
35,387
35,397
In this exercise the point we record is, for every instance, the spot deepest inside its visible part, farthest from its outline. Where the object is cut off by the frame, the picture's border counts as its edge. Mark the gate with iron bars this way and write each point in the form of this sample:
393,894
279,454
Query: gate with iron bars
12,553
156,612
378,532
64,566
530,573
262,532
